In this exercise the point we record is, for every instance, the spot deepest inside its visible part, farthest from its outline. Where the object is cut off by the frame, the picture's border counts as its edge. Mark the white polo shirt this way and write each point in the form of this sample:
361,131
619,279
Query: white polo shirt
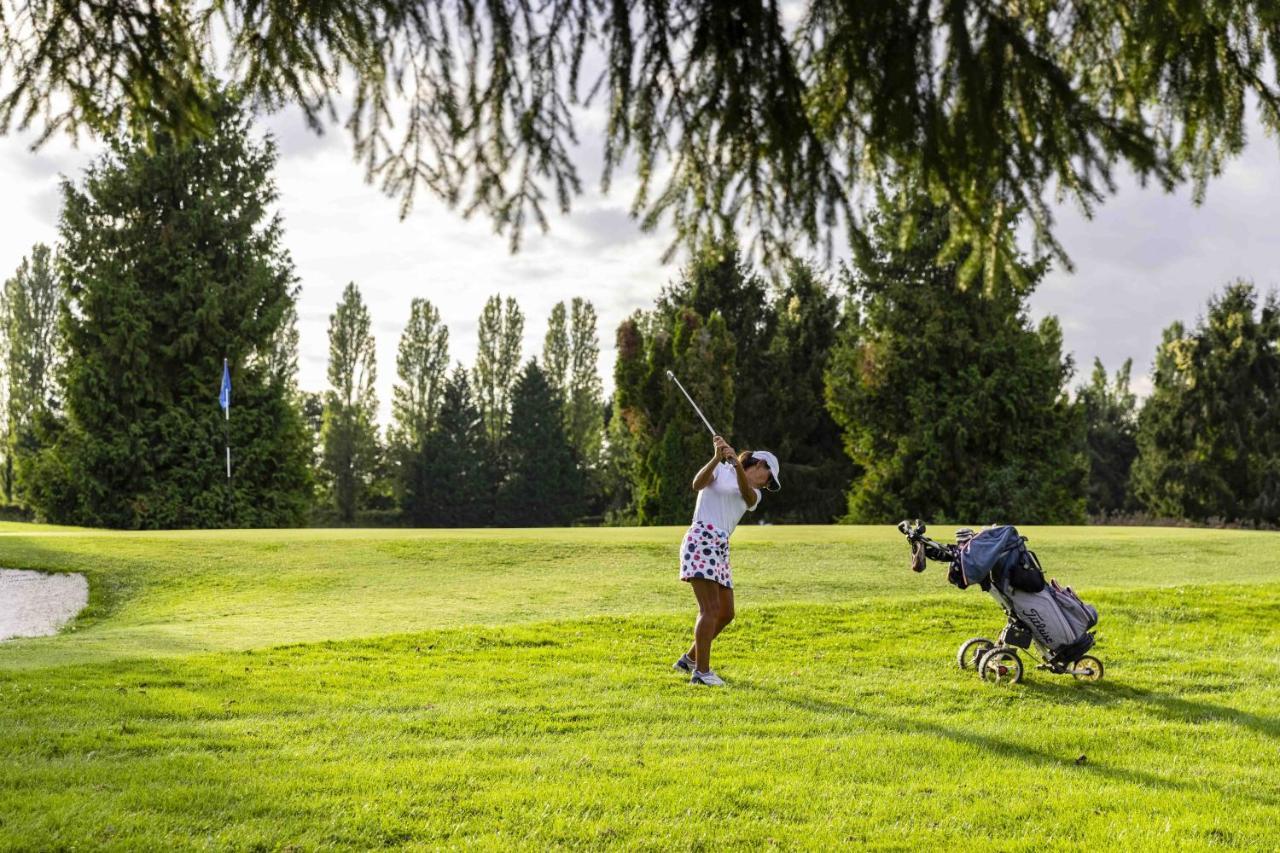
720,504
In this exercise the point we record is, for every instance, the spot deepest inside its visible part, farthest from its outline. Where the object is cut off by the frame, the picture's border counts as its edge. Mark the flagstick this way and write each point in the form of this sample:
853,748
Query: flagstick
227,412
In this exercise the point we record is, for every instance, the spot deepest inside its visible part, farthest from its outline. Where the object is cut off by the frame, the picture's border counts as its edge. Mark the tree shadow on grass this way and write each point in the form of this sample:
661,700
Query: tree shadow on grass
1011,748
1164,705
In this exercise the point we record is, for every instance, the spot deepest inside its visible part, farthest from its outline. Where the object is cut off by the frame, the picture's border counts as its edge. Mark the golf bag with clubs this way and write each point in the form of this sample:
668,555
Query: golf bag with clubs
1045,619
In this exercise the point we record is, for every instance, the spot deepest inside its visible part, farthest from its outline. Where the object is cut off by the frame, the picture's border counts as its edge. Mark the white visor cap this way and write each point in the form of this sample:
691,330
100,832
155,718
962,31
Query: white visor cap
771,462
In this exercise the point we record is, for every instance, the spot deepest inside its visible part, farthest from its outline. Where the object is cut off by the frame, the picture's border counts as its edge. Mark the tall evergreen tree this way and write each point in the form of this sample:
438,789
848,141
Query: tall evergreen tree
792,418
350,431
29,352
450,480
953,405
544,485
778,352
497,363
171,261
1110,411
1209,435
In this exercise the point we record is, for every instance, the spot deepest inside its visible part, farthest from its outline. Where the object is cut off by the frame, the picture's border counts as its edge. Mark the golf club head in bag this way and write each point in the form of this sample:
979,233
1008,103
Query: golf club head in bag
914,531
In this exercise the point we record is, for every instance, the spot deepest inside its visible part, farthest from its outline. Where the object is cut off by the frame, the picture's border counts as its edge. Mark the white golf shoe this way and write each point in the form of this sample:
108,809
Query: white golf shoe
708,678
685,664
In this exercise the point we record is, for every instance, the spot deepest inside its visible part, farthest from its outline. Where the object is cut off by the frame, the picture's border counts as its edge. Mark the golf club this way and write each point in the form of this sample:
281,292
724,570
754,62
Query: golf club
672,377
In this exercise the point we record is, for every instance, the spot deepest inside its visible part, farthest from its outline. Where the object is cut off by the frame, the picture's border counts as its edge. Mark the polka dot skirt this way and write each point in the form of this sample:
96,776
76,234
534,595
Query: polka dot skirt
704,554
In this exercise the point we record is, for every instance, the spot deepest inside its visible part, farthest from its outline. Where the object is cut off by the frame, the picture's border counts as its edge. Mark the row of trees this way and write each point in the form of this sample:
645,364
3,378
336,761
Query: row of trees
169,262
892,390
501,443
754,357
895,391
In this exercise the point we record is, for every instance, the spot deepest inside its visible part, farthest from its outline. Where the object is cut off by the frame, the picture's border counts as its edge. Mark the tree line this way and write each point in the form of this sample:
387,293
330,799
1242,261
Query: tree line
503,443
890,388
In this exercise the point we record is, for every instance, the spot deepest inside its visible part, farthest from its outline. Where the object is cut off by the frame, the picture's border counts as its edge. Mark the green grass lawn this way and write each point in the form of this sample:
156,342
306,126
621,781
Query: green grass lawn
321,689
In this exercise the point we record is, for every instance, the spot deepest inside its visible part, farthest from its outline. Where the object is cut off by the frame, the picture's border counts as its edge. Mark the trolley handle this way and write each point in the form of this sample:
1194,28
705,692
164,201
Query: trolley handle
922,547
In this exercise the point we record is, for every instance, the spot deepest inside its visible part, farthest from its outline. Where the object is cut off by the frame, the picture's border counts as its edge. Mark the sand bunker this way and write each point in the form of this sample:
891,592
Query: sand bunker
33,604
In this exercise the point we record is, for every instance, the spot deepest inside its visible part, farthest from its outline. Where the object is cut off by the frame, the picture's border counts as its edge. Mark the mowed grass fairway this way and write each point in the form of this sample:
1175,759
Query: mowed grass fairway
494,689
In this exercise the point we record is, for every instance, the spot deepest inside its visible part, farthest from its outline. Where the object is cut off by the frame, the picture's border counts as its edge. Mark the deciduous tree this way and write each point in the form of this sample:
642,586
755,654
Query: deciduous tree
497,363
555,349
350,430
584,396
29,352
421,364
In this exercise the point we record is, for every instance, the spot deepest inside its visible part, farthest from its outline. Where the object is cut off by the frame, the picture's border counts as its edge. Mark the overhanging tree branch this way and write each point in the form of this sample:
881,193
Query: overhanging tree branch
730,115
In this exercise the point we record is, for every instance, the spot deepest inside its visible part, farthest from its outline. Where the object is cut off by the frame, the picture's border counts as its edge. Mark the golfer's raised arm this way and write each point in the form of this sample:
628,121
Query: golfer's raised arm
704,477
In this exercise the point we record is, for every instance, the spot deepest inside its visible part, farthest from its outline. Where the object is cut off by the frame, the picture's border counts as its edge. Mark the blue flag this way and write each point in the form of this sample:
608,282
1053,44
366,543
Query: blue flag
224,396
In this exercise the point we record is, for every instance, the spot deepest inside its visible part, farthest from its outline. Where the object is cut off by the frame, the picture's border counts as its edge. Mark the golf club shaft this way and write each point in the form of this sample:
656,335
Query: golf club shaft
673,378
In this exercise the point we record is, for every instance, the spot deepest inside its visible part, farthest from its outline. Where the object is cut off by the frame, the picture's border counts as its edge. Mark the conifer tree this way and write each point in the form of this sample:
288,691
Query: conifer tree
1209,435
450,480
629,424
281,358
667,442
711,327
171,261
953,405
544,485
1110,411
779,116
720,280
791,418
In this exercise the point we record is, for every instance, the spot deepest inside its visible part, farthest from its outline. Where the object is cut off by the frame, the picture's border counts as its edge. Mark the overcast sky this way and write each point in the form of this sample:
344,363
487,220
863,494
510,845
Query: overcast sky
1146,259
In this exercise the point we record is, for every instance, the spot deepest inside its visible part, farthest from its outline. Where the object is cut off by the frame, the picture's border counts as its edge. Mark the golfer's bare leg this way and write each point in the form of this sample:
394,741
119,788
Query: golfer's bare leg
726,608
707,626
725,616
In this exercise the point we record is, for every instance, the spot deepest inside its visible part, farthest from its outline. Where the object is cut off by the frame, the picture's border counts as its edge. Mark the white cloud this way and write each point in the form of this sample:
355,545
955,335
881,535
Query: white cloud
1149,258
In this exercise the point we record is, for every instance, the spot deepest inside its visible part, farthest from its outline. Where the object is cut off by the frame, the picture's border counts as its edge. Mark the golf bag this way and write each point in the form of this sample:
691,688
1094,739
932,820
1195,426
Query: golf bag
1051,616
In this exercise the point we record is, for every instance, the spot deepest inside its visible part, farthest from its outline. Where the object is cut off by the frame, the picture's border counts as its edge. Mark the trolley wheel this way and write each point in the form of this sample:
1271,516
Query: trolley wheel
1088,668
971,650
1001,665
977,660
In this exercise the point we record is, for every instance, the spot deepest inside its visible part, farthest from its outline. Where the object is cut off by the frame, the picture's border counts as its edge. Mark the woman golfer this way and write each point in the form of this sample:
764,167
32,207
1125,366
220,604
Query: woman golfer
727,486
